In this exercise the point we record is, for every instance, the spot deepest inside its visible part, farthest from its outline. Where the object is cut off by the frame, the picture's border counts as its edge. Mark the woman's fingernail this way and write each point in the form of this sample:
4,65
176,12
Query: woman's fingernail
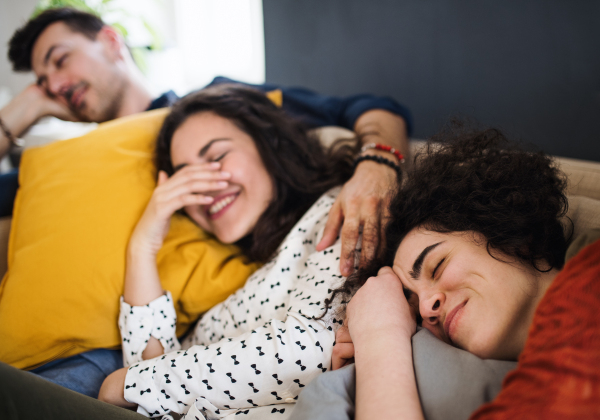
222,183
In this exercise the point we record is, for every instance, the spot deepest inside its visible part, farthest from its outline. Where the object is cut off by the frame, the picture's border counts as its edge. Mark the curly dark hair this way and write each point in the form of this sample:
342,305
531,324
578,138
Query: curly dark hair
301,168
22,42
479,181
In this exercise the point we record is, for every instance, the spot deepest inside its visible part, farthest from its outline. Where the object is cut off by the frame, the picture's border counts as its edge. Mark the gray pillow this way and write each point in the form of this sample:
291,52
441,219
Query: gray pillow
452,384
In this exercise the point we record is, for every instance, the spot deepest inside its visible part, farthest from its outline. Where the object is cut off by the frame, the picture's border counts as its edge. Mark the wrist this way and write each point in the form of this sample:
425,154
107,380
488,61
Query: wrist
139,249
380,333
381,161
379,344
379,149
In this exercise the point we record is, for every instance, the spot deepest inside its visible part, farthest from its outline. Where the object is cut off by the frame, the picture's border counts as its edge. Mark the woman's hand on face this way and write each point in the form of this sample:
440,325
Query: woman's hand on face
187,187
380,307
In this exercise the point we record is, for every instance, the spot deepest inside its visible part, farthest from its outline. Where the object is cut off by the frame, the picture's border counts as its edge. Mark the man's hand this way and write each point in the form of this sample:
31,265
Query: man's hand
362,203
113,389
40,104
25,109
364,199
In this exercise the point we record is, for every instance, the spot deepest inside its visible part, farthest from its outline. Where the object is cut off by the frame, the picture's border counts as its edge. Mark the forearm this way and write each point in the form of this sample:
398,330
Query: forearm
17,116
385,381
383,127
142,286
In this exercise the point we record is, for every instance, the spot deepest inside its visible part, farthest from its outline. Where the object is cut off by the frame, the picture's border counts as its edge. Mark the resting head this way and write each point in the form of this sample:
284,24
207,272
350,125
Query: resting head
78,60
277,169
475,236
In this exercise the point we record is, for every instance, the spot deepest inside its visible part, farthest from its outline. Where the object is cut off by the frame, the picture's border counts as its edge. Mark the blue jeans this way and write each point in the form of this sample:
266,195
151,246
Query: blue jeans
9,183
83,373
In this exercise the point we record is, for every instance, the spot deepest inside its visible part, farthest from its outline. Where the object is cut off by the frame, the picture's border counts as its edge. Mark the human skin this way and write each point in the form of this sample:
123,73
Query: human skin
96,80
90,78
493,299
381,333
216,163
364,199
82,80
467,297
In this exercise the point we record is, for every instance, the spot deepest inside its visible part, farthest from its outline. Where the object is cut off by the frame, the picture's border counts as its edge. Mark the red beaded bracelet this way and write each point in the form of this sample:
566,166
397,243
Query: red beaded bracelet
383,148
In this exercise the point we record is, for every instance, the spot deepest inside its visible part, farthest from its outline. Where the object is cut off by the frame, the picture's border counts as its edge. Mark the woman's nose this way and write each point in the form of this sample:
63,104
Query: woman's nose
430,308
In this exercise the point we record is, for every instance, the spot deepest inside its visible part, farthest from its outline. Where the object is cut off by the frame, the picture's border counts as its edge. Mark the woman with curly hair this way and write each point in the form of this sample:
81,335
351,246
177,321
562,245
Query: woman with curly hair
475,247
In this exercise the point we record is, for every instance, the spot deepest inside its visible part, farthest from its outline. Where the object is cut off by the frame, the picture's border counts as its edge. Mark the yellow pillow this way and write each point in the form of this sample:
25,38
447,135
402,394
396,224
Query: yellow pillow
78,203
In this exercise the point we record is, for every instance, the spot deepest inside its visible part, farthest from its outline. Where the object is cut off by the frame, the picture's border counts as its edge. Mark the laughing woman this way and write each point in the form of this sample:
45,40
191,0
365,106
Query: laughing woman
475,253
242,170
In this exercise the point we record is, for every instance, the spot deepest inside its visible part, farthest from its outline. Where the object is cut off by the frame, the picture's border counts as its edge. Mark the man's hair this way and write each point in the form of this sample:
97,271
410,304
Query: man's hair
22,42
299,166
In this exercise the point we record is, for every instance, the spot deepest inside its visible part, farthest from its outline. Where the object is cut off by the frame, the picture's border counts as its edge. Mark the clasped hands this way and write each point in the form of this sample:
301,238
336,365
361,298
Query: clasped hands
378,311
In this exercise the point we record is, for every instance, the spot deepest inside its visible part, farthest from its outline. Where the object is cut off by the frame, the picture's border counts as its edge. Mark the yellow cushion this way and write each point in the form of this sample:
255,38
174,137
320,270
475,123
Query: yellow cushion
78,203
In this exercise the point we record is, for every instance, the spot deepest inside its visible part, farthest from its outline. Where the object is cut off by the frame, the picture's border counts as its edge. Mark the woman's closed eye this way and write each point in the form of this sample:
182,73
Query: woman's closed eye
218,158
436,269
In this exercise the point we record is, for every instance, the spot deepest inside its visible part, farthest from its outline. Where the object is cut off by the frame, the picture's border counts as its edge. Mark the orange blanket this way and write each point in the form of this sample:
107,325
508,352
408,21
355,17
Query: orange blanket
558,376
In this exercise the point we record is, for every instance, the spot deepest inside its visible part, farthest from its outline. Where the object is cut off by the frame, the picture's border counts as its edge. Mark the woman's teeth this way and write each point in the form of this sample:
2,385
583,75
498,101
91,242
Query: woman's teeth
219,205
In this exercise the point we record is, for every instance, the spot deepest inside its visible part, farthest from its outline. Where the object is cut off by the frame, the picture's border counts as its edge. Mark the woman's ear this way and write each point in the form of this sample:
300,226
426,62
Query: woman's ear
112,41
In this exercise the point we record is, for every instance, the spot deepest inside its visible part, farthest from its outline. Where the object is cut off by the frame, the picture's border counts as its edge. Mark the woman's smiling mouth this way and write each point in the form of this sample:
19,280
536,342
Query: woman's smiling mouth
450,321
220,205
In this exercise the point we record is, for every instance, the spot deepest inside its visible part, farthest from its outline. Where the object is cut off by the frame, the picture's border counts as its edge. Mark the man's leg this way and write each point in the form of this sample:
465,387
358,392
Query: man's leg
83,373
24,396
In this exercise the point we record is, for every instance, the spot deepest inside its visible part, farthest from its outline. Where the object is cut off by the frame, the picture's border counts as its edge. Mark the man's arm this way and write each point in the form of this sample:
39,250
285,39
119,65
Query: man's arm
25,109
365,198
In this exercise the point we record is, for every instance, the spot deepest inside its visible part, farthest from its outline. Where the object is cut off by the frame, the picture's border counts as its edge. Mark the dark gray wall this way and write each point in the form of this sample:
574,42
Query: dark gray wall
531,67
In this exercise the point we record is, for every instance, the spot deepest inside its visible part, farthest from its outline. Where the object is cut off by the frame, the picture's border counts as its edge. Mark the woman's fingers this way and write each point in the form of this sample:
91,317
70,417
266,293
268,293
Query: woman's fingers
168,193
162,177
201,171
342,354
343,334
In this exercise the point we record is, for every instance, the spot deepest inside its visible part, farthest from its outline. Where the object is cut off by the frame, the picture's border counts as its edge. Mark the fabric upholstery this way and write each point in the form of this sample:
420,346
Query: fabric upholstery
78,203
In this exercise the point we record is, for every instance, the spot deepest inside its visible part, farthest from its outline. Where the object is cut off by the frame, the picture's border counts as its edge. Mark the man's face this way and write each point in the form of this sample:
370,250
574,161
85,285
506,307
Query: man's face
87,76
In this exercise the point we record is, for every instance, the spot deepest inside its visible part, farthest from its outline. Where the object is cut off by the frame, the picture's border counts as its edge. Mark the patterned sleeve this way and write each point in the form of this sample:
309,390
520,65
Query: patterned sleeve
138,323
260,347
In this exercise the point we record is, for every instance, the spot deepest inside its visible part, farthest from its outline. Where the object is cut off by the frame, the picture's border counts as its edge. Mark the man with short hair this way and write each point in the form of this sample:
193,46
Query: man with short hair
85,73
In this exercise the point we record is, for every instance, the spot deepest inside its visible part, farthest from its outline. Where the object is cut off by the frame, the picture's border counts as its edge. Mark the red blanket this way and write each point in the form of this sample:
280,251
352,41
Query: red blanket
558,375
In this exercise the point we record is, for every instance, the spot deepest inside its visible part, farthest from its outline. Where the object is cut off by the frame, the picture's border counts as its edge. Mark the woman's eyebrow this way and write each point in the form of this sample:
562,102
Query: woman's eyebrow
210,143
418,264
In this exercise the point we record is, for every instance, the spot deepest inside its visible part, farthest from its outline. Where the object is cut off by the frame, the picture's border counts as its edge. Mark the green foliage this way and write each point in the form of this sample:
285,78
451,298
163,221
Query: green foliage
103,8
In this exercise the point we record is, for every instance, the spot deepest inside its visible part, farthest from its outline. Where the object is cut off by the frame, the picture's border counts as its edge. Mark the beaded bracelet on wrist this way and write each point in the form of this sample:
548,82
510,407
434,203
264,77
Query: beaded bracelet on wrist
379,159
383,148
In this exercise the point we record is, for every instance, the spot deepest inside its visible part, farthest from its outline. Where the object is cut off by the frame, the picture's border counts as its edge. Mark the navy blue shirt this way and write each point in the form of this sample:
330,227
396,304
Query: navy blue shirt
318,110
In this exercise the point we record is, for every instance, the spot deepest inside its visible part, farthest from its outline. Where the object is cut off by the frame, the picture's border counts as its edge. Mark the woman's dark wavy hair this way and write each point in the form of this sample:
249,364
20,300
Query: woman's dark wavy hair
477,180
300,167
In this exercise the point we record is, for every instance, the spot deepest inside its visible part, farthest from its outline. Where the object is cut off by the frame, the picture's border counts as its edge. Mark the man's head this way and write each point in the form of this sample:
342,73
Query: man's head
78,60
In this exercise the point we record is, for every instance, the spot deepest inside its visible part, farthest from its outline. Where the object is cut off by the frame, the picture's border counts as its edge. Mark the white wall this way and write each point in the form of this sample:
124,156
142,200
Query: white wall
12,15
203,39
